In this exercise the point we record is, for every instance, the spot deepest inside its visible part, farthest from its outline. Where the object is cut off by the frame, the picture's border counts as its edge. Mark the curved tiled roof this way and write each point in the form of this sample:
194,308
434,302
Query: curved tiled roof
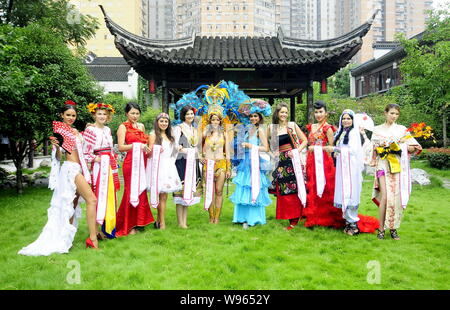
236,51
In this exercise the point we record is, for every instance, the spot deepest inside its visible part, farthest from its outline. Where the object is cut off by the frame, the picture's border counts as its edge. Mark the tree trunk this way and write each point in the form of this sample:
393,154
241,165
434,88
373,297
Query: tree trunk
444,128
19,183
9,11
18,153
30,154
45,150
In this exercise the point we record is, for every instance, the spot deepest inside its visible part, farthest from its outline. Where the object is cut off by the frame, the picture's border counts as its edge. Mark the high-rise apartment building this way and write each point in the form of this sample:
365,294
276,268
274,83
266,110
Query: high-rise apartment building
225,17
159,20
327,19
395,16
297,18
307,19
128,14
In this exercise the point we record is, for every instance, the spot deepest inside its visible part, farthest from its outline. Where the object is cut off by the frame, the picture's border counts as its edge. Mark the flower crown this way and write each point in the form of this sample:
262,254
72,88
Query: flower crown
70,102
92,107
163,115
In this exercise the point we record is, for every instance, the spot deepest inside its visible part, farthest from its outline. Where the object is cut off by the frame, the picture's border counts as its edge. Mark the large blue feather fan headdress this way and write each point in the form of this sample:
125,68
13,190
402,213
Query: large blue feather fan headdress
225,99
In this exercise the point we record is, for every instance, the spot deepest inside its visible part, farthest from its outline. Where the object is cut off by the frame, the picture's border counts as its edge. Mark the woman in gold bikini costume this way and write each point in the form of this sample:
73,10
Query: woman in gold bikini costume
215,146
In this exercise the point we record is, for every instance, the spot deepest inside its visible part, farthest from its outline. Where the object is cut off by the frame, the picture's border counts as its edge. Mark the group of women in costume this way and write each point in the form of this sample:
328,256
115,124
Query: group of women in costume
315,176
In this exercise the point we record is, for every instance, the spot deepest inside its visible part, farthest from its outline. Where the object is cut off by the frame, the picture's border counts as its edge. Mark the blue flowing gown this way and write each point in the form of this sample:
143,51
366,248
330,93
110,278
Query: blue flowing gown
244,210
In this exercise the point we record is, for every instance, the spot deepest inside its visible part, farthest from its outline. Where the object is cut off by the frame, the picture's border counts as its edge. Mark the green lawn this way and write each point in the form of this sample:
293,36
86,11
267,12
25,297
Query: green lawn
225,256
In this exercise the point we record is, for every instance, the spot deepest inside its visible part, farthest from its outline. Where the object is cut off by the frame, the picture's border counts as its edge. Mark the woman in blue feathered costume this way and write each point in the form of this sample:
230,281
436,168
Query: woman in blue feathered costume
253,135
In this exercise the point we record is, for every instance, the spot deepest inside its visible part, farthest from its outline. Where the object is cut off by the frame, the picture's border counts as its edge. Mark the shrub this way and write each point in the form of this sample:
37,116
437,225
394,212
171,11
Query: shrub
439,157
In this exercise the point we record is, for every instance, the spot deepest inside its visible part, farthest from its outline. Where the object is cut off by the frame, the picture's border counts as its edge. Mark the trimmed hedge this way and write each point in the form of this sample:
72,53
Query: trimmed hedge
438,157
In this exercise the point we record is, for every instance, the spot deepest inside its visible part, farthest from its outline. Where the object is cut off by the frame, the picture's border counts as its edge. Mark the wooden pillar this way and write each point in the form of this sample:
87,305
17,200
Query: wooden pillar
165,97
310,103
292,102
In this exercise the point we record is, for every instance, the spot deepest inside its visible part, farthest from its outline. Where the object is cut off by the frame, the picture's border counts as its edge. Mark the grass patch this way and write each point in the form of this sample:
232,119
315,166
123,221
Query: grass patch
225,256
423,164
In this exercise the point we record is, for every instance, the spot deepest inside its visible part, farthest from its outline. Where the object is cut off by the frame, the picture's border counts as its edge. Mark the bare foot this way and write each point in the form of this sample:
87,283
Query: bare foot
133,232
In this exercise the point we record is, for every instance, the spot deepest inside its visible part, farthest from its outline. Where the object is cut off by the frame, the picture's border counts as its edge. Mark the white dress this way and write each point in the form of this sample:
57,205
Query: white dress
350,213
168,179
58,233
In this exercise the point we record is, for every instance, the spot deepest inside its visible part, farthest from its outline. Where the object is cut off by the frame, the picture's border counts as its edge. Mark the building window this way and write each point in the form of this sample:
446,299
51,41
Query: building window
119,93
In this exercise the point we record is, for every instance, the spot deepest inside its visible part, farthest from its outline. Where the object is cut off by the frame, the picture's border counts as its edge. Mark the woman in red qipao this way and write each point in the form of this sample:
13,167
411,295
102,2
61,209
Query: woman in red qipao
134,210
319,209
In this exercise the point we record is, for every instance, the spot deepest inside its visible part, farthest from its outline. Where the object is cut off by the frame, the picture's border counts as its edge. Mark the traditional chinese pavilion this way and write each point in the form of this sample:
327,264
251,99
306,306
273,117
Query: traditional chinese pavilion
264,67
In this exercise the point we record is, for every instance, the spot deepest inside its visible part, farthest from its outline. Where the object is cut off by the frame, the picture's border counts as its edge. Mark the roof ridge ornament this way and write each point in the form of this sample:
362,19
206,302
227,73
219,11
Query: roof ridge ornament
121,34
356,34
370,21
280,34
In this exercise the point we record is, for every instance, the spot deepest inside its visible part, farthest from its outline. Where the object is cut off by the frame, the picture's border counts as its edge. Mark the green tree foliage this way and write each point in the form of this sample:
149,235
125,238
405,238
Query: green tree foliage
59,16
39,73
426,68
340,82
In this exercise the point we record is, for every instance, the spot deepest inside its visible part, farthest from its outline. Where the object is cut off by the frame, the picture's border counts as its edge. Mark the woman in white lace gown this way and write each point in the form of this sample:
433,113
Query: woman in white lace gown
68,182
168,179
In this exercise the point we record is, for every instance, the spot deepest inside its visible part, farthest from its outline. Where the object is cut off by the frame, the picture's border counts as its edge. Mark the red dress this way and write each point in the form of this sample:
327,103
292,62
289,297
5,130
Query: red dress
128,216
320,210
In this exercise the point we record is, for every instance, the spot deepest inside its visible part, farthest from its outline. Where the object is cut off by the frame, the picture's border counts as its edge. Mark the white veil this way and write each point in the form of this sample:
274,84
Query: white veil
354,138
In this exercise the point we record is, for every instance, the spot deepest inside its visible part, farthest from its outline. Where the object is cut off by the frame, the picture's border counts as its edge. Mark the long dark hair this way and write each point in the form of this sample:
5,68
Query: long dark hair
275,118
347,132
169,135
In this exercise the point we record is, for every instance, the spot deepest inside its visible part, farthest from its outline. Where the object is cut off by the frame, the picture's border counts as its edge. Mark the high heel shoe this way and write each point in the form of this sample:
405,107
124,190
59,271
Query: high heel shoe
90,244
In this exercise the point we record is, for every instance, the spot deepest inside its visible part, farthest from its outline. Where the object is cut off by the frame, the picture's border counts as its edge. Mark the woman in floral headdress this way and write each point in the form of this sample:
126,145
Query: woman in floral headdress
98,150
249,202
393,145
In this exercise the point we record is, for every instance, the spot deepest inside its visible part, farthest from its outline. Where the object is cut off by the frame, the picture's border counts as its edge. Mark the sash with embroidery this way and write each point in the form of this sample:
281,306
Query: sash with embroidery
209,183
405,176
346,176
138,182
154,192
190,176
255,174
296,162
320,173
